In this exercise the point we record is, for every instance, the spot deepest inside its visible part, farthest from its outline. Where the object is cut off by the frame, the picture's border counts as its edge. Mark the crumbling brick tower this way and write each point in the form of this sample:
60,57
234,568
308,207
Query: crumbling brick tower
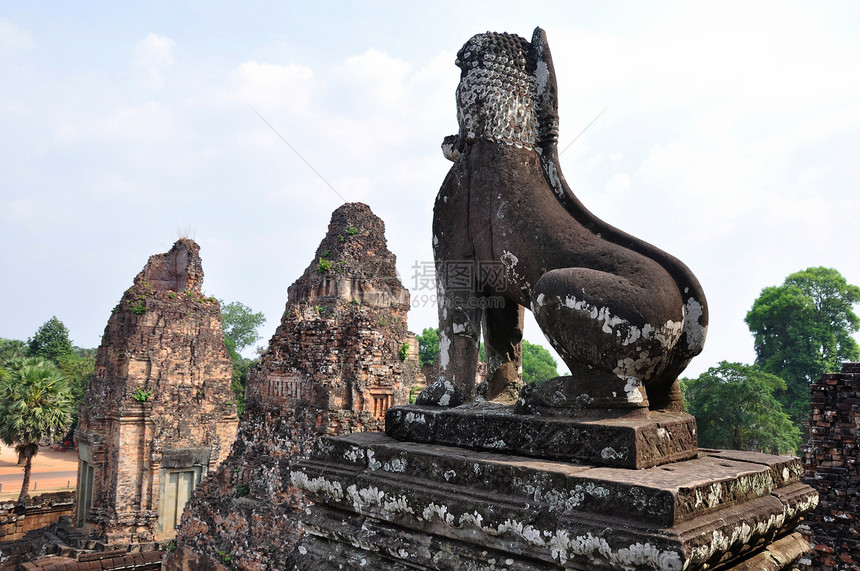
832,463
343,340
340,357
159,412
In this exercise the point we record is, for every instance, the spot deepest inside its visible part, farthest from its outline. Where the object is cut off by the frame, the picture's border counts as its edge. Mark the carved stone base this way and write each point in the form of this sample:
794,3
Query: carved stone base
388,504
644,441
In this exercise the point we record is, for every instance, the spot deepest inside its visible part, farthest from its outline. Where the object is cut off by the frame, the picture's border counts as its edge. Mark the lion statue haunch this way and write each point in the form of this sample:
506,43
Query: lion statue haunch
508,233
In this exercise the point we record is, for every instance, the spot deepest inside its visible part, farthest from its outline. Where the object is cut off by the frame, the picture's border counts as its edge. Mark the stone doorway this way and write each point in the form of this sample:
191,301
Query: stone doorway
86,481
85,491
176,488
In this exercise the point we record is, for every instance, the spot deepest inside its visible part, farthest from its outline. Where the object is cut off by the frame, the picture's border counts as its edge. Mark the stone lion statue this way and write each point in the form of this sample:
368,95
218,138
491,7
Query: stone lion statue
509,234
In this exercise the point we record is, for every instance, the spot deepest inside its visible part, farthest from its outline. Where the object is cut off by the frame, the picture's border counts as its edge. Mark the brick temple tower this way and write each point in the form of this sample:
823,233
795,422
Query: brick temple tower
343,345
159,412
340,358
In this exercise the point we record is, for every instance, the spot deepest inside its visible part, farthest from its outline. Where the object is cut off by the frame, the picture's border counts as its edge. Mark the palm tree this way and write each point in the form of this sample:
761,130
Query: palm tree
35,404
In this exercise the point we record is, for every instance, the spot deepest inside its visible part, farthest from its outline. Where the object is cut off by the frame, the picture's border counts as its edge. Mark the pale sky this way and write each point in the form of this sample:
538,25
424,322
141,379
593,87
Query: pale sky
730,139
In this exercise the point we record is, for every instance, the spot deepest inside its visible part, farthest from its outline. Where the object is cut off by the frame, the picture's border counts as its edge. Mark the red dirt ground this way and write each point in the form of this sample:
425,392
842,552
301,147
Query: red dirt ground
52,471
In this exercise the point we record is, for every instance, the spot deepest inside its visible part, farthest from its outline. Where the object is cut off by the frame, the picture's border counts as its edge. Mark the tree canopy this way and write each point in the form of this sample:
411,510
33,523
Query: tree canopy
803,329
78,368
35,404
735,407
428,346
51,341
538,364
11,350
240,324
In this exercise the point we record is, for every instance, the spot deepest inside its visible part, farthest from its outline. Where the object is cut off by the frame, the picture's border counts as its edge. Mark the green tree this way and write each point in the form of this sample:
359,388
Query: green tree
241,367
11,349
538,364
78,368
735,407
803,329
35,404
240,324
428,346
50,342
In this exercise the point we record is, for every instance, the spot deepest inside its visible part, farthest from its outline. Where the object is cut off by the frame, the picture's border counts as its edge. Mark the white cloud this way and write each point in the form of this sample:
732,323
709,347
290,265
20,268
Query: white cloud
269,87
379,78
149,123
152,56
14,40
354,188
705,60
618,183
19,211
368,109
385,105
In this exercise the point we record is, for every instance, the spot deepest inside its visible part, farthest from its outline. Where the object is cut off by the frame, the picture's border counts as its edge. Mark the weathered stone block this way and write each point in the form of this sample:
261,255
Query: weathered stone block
716,508
638,442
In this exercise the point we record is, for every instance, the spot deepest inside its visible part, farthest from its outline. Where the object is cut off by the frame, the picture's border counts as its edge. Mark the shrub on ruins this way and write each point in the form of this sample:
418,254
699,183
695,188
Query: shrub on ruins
35,405
804,328
735,407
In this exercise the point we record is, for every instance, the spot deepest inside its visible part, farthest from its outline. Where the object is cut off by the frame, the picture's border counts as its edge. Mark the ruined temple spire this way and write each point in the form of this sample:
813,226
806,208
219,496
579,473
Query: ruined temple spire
159,412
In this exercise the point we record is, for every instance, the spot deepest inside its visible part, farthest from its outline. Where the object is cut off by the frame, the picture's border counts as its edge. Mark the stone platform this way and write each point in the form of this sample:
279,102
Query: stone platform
386,504
643,441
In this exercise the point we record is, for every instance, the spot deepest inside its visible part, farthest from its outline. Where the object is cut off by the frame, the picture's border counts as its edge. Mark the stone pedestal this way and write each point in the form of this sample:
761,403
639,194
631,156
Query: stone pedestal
391,504
640,441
